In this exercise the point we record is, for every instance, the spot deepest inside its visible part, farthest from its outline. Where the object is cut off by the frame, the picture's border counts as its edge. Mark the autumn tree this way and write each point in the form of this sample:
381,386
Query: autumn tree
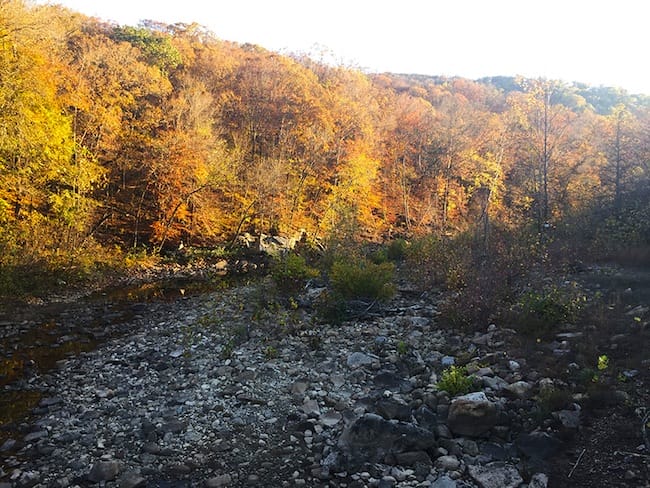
541,130
46,176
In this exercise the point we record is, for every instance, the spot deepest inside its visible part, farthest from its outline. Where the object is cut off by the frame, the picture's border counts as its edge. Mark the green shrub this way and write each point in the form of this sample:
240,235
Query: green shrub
539,311
379,256
362,279
291,271
455,381
396,250
331,309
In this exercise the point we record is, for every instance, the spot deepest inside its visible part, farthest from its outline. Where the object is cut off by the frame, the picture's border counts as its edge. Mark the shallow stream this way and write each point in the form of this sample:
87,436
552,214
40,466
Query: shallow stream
34,338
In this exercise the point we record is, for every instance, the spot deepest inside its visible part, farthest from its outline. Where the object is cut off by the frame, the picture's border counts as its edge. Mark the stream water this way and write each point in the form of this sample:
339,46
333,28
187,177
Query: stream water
34,338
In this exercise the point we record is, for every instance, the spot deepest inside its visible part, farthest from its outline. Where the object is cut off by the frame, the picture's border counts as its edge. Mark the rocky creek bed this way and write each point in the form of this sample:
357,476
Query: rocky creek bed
229,388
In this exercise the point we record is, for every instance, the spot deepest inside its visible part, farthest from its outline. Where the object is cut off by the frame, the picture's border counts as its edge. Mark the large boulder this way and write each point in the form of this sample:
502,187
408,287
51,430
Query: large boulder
471,415
371,438
496,475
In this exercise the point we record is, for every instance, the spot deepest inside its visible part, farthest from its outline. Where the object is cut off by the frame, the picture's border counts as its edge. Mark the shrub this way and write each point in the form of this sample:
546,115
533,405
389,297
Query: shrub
331,309
455,381
362,279
539,311
439,262
291,271
396,250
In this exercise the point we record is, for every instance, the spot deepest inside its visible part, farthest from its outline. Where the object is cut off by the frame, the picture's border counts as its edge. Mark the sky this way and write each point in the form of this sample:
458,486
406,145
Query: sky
598,42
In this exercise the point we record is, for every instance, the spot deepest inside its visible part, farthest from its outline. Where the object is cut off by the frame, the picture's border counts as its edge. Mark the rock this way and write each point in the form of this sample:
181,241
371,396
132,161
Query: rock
299,388
495,475
151,448
495,383
358,359
104,471
570,419
447,361
519,389
310,407
8,445
425,418
50,401
513,366
498,452
390,409
413,458
330,418
34,436
471,415
444,482
538,445
371,437
132,479
392,382
447,463
387,482
468,446
27,479
539,480
173,426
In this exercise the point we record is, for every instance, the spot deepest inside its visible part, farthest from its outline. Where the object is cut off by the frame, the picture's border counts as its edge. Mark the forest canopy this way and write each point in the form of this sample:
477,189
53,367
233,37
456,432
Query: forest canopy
119,136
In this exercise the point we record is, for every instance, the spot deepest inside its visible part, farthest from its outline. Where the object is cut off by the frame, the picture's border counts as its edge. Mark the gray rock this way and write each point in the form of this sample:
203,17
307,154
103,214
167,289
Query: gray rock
28,479
50,401
414,458
447,361
496,475
426,418
381,341
570,419
447,463
174,426
132,479
358,360
8,445
468,446
387,482
539,480
391,409
444,482
495,383
151,448
519,389
34,436
498,452
371,437
538,445
104,471
392,381
310,407
330,418
471,415
299,388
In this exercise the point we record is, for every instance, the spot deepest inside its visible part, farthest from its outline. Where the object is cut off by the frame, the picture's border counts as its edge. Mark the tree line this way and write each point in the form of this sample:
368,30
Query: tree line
119,137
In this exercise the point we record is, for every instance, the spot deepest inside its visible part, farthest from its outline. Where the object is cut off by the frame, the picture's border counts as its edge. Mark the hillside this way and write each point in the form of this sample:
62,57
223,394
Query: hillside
120,138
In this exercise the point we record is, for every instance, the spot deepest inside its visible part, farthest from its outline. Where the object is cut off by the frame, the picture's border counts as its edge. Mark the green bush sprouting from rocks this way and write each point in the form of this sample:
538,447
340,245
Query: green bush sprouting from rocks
455,381
362,279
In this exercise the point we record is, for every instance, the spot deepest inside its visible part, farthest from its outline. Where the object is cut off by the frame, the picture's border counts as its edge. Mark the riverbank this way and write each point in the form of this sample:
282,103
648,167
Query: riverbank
229,388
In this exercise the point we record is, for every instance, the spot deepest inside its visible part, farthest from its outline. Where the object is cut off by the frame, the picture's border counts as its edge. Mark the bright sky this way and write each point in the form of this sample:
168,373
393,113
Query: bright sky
599,42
